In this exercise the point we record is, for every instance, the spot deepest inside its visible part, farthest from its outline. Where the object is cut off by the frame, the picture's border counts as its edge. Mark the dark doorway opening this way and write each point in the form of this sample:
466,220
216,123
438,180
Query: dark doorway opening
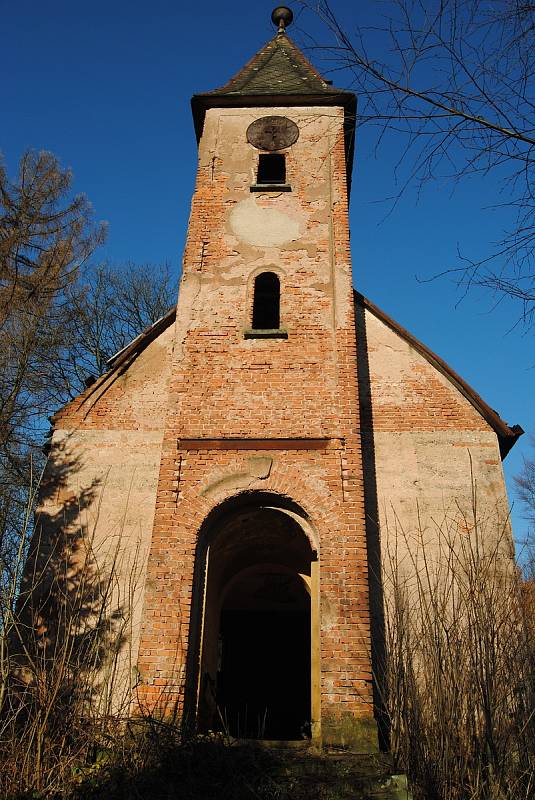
256,656
263,684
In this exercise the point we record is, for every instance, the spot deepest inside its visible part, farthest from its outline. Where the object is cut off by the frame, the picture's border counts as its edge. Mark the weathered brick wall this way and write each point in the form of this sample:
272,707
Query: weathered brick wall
225,386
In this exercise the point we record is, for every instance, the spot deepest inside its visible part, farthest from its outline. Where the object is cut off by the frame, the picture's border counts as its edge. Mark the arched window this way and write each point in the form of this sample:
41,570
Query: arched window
266,302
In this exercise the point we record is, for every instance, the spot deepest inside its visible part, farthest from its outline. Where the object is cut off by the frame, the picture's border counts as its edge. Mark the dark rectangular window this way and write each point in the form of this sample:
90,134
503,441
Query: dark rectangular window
271,168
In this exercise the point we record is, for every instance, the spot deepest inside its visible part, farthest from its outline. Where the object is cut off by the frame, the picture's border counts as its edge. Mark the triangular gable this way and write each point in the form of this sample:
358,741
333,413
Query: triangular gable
506,434
118,364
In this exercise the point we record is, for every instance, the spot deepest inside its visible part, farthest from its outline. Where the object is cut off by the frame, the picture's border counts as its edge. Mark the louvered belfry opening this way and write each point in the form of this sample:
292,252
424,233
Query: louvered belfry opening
266,302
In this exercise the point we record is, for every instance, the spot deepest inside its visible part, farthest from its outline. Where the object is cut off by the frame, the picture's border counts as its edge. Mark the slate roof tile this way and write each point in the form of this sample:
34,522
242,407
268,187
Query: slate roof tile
278,68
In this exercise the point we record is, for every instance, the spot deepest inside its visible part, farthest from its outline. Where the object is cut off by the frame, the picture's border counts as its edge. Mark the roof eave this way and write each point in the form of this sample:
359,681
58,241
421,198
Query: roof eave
142,339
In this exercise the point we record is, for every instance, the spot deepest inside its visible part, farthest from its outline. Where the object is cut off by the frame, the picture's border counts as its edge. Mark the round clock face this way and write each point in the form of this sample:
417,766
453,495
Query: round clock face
272,133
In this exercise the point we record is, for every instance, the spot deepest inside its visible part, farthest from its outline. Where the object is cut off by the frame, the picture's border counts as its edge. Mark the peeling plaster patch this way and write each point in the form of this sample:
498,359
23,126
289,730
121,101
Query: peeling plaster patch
320,217
263,227
239,180
260,466
247,253
314,193
324,288
256,468
342,298
190,288
329,613
310,248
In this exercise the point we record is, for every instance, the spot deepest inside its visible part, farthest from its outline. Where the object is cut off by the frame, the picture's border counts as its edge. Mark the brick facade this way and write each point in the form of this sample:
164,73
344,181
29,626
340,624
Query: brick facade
225,387
198,425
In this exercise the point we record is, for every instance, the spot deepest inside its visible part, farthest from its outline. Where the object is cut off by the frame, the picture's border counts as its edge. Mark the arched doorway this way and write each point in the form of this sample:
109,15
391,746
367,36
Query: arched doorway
257,638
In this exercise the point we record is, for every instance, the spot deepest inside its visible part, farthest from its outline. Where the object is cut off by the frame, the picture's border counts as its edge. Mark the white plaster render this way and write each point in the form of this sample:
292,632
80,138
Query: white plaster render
190,289
120,471
426,480
256,223
434,473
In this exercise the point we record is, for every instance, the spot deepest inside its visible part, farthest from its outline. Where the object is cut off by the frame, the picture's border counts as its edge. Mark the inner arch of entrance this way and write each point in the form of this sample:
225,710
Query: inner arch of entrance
254,667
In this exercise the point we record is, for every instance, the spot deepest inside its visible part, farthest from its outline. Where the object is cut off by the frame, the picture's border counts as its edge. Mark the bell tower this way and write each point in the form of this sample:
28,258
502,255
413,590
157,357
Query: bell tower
256,613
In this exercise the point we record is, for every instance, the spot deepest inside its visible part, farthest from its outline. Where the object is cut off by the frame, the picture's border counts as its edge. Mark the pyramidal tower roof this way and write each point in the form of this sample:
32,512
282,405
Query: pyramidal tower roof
278,68
279,74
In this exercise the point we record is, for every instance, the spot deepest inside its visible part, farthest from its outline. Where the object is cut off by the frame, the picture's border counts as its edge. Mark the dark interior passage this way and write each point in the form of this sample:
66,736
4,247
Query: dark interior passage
264,680
255,679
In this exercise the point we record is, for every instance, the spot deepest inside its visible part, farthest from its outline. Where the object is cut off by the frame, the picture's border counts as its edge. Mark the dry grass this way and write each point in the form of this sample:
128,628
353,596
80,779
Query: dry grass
459,681
460,672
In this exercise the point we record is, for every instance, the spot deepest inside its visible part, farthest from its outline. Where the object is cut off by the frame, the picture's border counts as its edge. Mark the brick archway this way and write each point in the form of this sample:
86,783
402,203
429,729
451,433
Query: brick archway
254,634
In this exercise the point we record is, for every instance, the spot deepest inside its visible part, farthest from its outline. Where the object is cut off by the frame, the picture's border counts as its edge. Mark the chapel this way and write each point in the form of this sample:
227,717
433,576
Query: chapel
251,463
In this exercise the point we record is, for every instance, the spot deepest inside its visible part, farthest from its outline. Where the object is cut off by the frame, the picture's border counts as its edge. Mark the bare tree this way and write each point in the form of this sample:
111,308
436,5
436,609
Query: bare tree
455,78
525,486
60,319
45,237
459,676
108,306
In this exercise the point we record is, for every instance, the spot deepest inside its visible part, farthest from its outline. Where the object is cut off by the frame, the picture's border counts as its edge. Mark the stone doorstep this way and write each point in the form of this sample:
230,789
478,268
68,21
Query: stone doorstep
371,776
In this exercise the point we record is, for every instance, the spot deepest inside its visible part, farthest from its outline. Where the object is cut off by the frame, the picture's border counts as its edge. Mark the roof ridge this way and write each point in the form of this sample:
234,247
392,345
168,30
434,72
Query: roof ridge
306,61
242,69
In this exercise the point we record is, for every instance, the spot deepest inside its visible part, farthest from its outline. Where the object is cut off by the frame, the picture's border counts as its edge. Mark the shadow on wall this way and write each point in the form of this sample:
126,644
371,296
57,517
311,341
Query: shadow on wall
64,636
373,540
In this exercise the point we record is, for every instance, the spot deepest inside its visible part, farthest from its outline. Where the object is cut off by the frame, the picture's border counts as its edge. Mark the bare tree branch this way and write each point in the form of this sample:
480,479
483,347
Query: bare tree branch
454,80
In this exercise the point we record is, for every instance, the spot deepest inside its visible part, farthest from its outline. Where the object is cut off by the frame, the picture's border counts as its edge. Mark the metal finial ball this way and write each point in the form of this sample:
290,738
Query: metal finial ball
282,14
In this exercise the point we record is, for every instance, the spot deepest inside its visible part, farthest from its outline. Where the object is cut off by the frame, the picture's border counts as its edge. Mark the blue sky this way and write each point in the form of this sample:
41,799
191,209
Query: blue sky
106,87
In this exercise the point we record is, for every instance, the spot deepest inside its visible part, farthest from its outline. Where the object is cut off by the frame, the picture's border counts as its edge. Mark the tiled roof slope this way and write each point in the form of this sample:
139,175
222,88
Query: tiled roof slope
278,68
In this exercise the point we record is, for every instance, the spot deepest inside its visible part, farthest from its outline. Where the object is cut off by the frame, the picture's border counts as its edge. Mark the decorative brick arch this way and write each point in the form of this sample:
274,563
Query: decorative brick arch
221,510
287,482
262,496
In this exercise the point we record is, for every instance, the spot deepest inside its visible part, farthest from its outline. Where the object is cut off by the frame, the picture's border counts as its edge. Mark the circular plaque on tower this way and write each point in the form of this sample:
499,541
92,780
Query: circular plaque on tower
272,133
